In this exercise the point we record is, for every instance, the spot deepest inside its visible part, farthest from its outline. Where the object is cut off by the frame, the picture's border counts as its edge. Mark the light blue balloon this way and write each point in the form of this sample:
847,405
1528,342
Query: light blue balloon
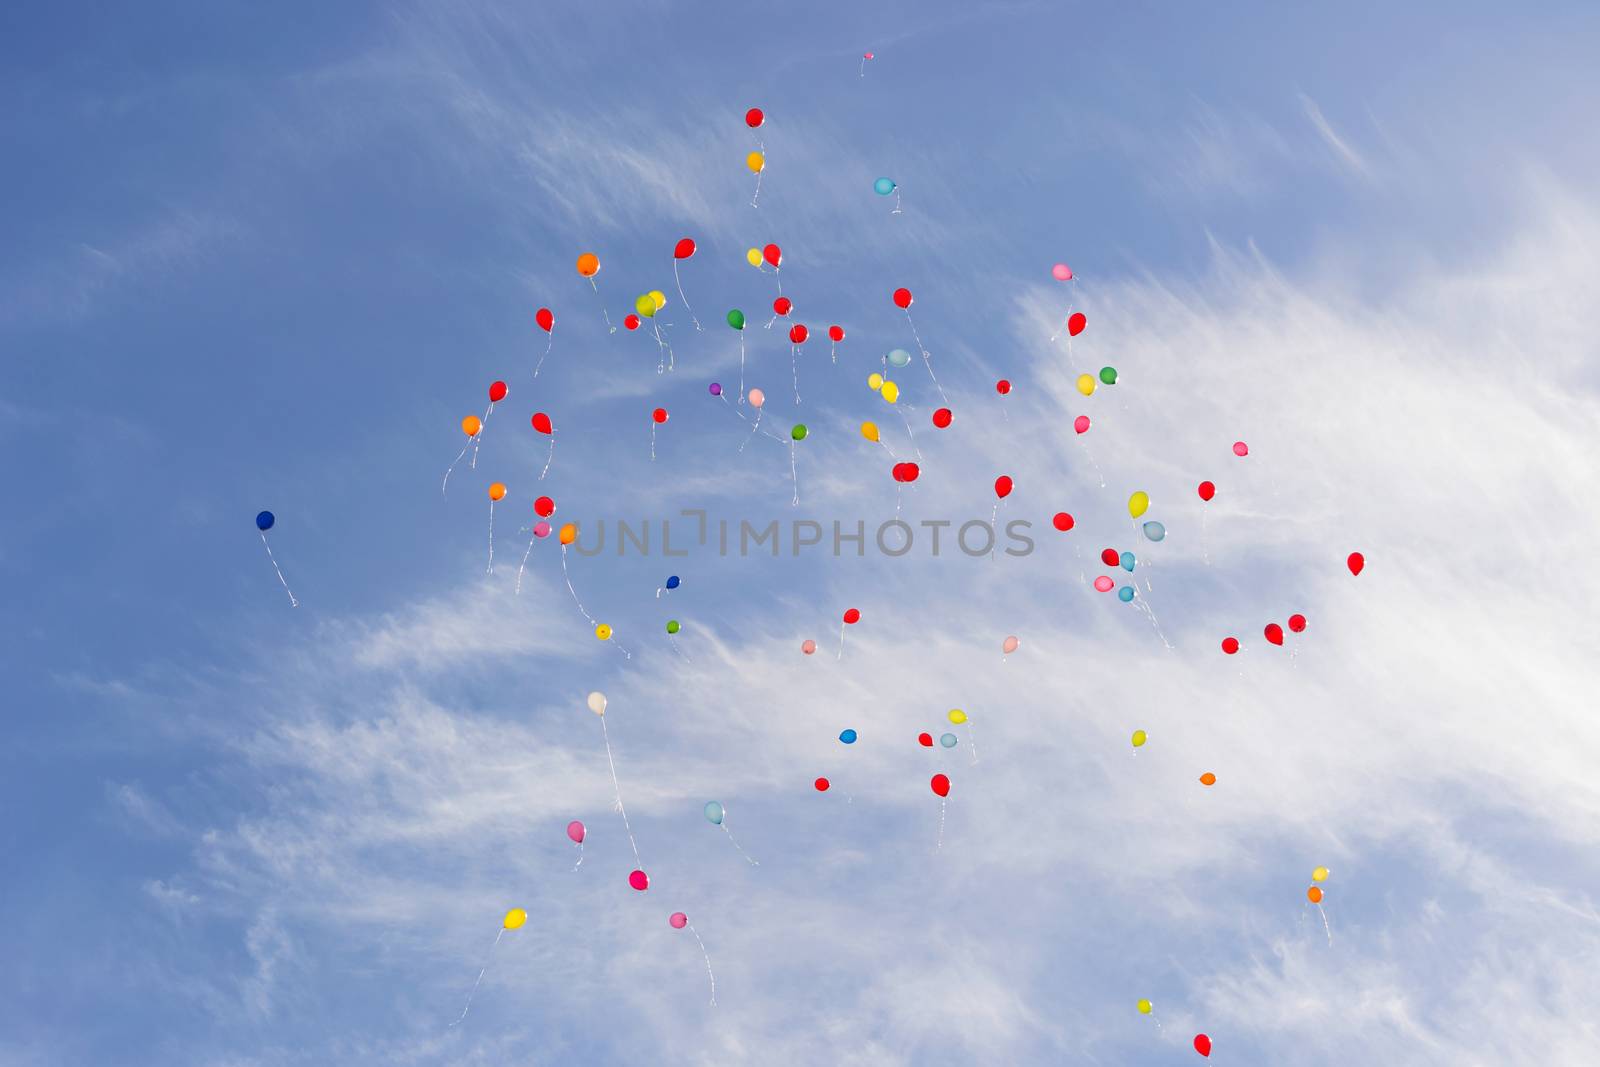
1125,594
899,357
1127,561
848,737
883,186
947,740
1155,531
713,812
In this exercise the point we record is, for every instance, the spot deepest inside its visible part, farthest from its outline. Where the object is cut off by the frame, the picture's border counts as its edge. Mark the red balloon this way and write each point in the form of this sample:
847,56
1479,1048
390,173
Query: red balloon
906,472
941,418
925,740
1063,521
782,305
541,422
1002,486
1202,1045
1076,324
940,785
1002,387
639,880
1274,633
754,118
836,334
1356,562
659,414
631,322
852,616
1110,557
798,333
773,254
497,392
685,249
821,784
902,298
545,319
1207,490
544,507
1297,623
1230,645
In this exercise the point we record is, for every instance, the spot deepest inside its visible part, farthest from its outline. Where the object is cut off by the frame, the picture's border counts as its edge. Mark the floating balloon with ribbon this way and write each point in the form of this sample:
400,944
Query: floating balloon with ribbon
903,300
514,920
850,618
542,424
886,187
717,815
684,249
589,267
472,426
546,320
265,521
679,921
497,493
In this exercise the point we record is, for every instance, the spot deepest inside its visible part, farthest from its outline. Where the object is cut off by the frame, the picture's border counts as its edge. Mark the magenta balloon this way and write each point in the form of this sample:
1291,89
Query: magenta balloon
1240,448
639,880
575,831
1081,424
1103,584
679,920
541,529
1061,272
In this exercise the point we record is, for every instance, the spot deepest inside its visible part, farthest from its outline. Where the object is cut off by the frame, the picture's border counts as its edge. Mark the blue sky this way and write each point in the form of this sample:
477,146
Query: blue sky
270,259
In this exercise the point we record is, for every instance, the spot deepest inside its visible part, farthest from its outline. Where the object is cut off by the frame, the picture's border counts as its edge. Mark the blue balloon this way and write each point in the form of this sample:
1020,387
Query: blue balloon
1127,561
883,186
848,737
1155,531
264,521
713,812
673,582
1125,594
947,740
899,358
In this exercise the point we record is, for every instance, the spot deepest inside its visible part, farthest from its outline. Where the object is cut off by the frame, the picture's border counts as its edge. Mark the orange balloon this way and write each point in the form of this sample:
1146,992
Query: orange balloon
569,533
471,425
588,264
1314,894
1208,779
497,491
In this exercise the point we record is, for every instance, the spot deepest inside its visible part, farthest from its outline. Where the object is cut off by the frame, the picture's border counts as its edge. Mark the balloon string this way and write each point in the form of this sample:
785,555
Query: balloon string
940,846
927,359
833,350
840,656
490,568
777,276
1204,552
685,299
1094,463
885,446
1144,607
754,199
444,484
575,866
652,440
293,603
664,349
617,788
742,852
574,593
741,366
1325,927
609,328
909,433
754,427
540,365
896,210
477,438
475,985
972,737
794,369
524,566
994,519
549,456
673,641
707,957
794,477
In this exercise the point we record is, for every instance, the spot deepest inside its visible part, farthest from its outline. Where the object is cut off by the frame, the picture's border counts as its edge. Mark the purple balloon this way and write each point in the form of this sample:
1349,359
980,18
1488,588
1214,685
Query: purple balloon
716,388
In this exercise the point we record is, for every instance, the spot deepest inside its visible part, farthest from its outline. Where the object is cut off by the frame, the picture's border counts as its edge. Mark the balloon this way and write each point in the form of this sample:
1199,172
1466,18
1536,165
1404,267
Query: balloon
756,162
883,186
852,616
264,520
1356,562
541,422
1081,424
1009,645
947,740
1109,557
907,472
1076,324
659,415
890,392
772,254
1202,1044
602,632
1206,490
658,298
848,736
1139,738
1208,779
673,581
1240,448
798,333
497,392
514,918
716,388
678,920
1230,645
685,248
1103,584
631,322
925,740
869,430
569,533
639,880
588,264
1002,486
545,319
1274,633
808,647
1003,387
1062,521
753,257
1144,1007
754,118
1061,272
957,716
757,398
782,305
497,491
1320,874
575,831
673,626
836,334
902,298
541,529
471,425
941,418
1138,504
875,382
1155,531
940,785
1297,623
821,785
898,357
1314,894
1127,561
1108,375
544,507
1125,594
1086,384
645,306
713,812
736,319
798,431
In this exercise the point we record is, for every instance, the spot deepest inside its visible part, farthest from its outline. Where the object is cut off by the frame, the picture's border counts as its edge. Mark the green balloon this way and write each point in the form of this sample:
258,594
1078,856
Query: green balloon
672,626
736,319
1108,375
799,432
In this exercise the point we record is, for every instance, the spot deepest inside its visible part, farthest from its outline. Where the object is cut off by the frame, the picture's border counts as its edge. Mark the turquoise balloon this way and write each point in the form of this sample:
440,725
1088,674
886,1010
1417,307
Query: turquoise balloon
848,737
883,186
1125,594
947,740
899,357
1127,561
1155,531
713,812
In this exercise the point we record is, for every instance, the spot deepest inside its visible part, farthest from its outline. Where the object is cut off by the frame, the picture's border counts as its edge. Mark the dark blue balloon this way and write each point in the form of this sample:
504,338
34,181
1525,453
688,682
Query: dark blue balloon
673,582
848,737
264,521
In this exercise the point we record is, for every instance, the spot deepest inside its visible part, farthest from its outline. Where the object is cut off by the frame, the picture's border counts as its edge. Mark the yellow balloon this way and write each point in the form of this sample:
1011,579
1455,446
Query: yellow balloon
569,533
1086,384
874,382
753,257
645,306
891,392
658,298
1138,738
869,430
1138,503
756,162
957,716
515,918
1320,874
603,632
1144,1007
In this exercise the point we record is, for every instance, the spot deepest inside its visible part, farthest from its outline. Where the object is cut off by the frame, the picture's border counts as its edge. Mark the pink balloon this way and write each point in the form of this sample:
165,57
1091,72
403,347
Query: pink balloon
757,398
639,880
679,920
1081,424
1103,584
866,55
808,647
575,831
1009,645
1061,272
541,529
1240,448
